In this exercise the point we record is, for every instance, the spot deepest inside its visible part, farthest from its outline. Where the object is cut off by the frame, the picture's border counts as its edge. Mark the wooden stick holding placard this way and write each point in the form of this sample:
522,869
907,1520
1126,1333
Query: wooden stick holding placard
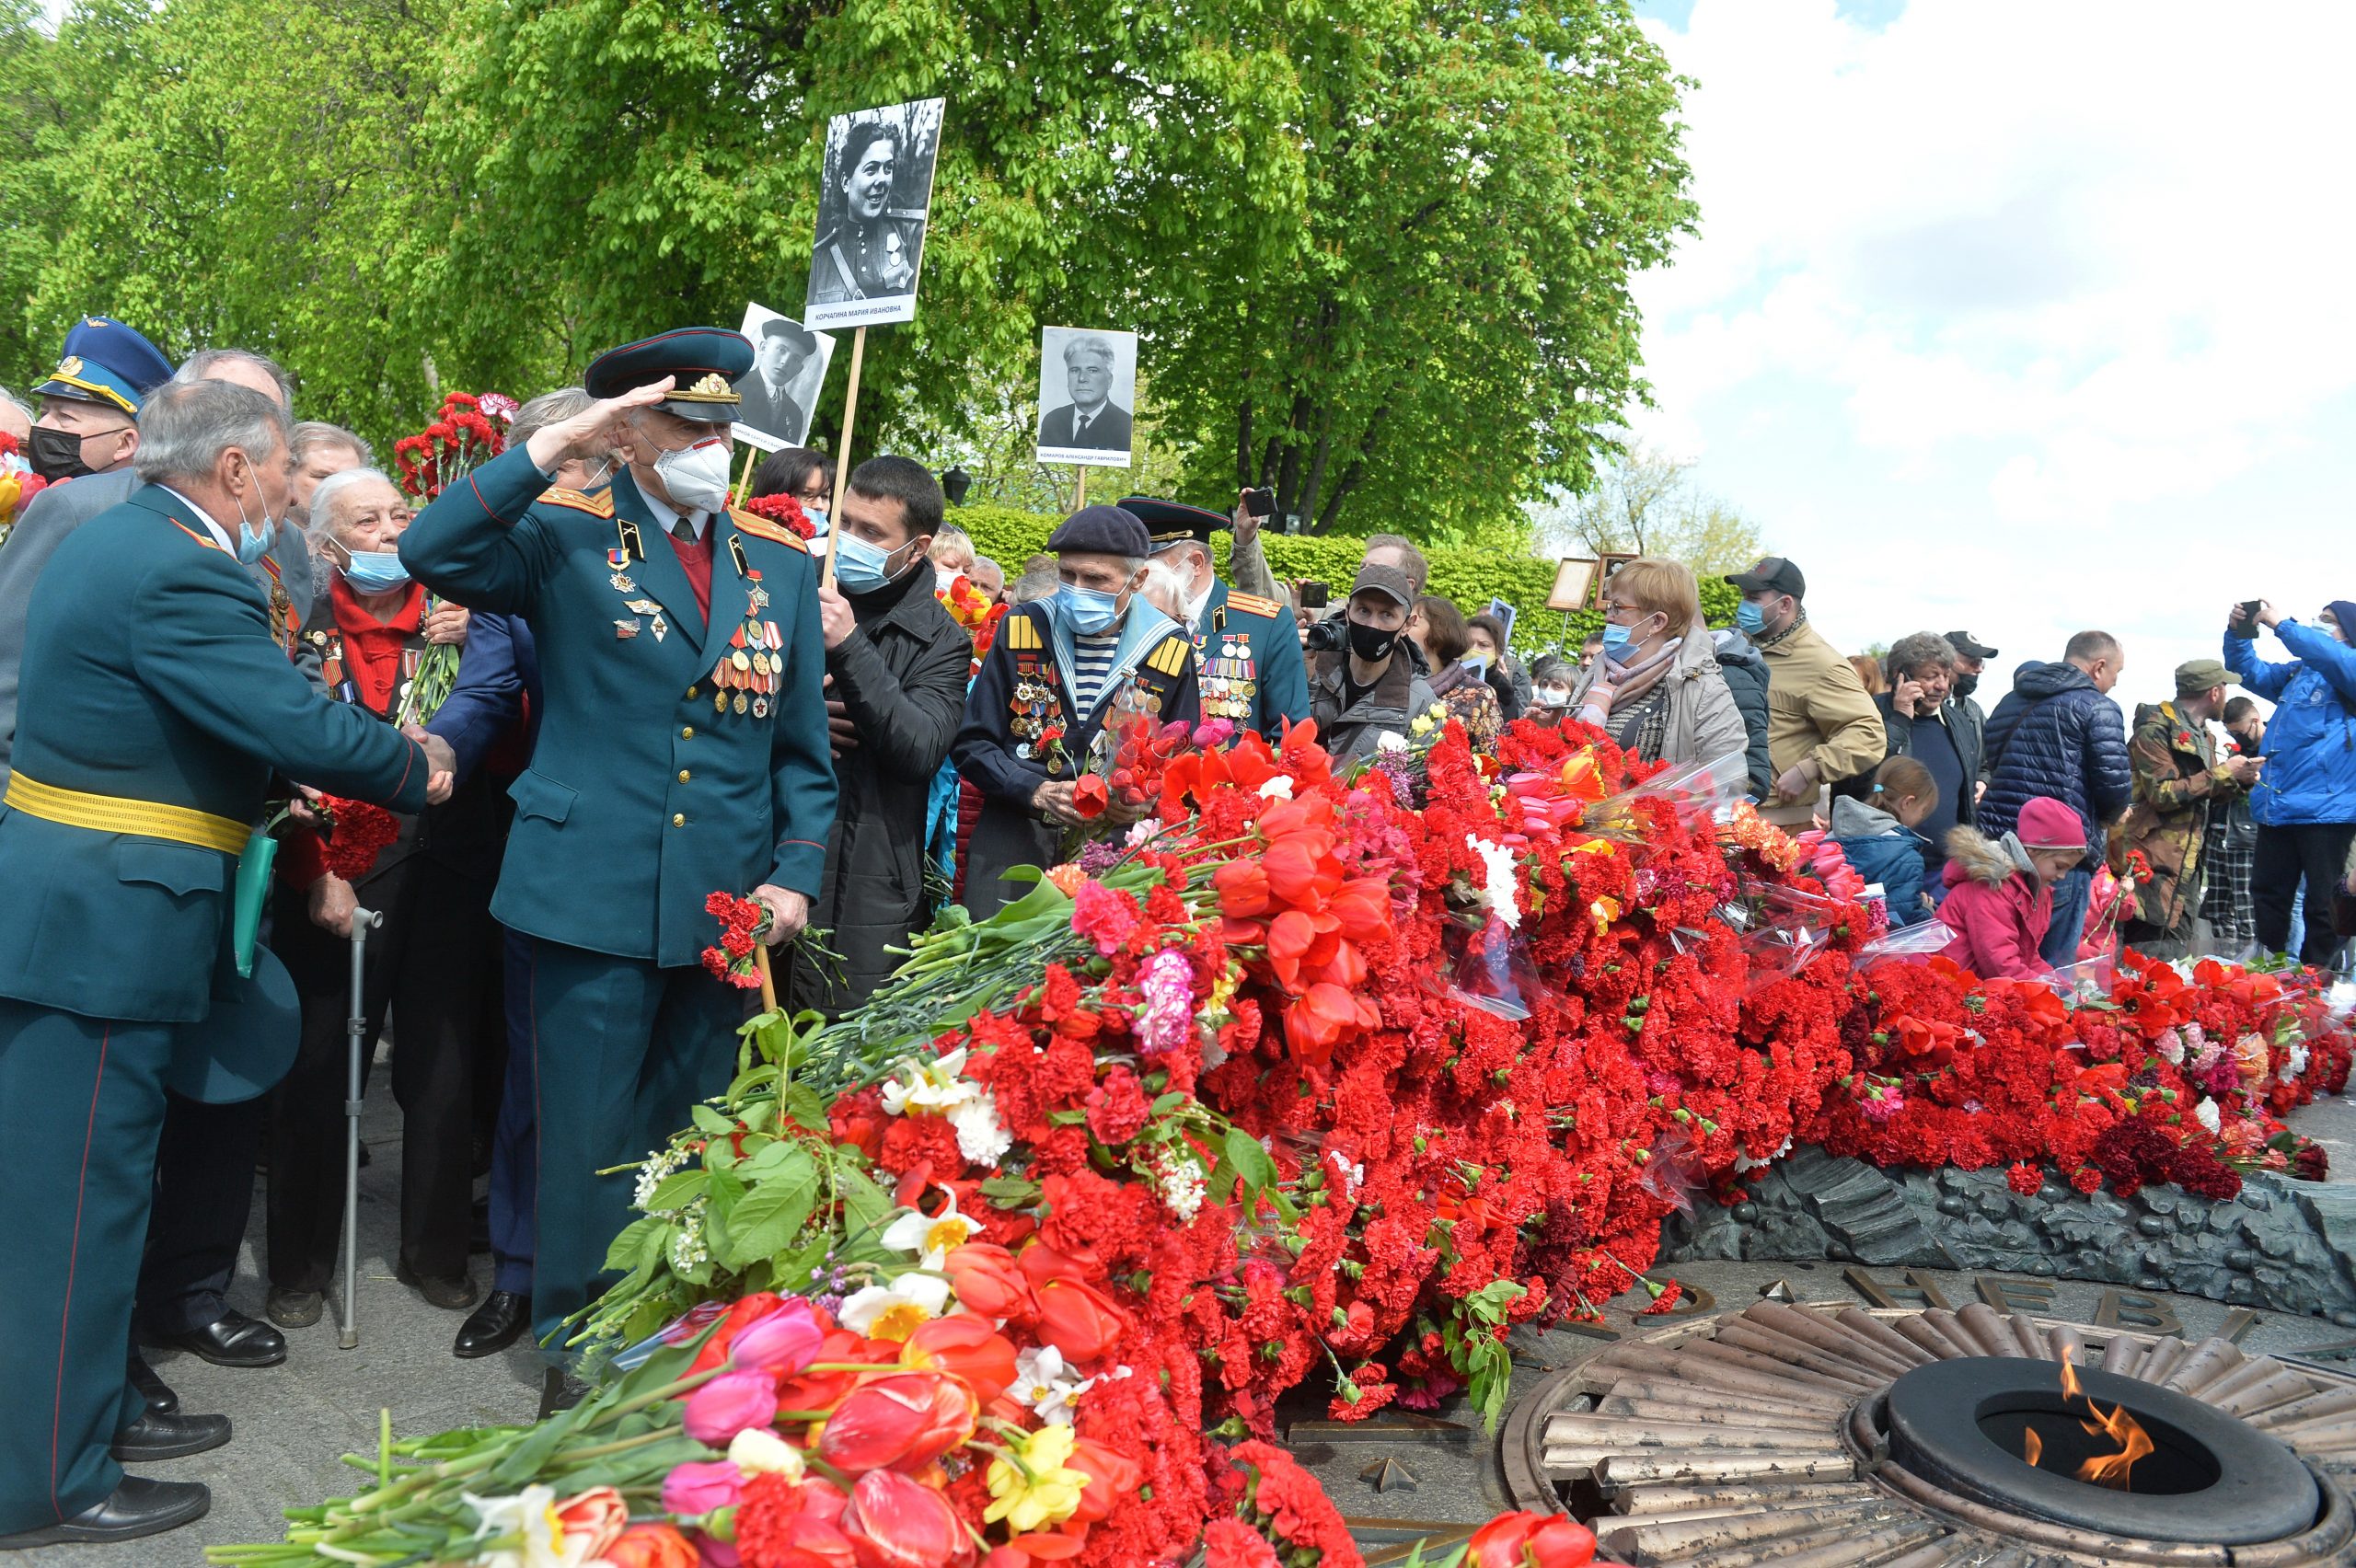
842,453
745,480
1080,504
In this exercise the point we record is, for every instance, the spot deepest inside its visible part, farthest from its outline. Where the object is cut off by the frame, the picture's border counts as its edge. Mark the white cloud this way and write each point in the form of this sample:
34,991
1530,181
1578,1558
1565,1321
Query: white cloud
2020,316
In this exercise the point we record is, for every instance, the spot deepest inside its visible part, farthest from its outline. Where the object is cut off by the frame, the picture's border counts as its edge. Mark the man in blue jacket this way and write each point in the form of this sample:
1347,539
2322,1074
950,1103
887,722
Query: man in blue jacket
2304,802
682,752
157,706
2059,733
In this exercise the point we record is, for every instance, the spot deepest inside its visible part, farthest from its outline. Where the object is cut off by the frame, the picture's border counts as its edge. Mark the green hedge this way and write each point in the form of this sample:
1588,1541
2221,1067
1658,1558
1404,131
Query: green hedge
1470,578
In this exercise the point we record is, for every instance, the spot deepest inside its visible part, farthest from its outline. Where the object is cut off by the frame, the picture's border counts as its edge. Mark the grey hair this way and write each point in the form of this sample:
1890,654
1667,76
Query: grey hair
18,403
322,509
982,561
1089,343
199,366
1034,587
547,408
184,427
1917,649
311,434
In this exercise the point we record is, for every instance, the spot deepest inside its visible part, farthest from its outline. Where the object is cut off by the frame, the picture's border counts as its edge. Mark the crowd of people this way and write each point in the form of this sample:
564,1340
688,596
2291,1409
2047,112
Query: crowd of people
661,694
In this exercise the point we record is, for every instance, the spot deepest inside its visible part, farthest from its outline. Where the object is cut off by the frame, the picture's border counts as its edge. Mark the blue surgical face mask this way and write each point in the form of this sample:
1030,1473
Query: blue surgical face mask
1616,638
1749,616
254,539
374,571
860,567
1086,611
817,516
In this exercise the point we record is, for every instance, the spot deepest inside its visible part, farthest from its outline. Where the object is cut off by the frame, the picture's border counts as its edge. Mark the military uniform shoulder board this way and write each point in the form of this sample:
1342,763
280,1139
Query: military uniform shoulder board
600,505
1171,657
1022,634
762,528
1251,604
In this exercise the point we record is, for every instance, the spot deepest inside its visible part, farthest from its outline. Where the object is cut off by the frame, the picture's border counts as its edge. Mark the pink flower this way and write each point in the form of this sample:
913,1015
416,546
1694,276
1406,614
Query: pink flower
1106,917
692,1489
1168,984
780,1345
728,1404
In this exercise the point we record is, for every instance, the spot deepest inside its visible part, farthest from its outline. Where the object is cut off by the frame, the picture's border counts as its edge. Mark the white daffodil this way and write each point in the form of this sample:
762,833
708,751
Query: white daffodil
930,1087
894,1311
1276,786
980,1138
930,1236
530,1516
759,1450
1046,1385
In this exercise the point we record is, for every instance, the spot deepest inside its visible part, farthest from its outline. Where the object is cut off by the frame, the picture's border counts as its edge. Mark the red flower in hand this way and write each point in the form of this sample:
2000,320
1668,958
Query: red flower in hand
1089,798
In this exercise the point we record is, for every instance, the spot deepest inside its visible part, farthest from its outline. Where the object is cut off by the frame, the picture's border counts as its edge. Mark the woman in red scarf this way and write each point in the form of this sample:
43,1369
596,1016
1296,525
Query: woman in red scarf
428,962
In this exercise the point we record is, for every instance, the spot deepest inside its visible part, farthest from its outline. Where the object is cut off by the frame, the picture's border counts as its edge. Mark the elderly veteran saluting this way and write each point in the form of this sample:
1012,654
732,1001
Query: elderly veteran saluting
156,708
682,751
1247,650
1061,670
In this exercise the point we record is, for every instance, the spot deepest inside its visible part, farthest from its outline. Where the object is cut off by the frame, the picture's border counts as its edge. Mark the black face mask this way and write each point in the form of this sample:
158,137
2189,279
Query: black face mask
1371,643
57,454
1965,685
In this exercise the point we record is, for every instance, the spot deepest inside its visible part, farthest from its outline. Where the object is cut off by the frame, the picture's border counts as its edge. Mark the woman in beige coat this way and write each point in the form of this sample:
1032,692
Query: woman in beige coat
1656,687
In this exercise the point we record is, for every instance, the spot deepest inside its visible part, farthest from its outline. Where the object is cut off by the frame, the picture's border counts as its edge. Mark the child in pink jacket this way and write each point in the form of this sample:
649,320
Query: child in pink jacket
1999,892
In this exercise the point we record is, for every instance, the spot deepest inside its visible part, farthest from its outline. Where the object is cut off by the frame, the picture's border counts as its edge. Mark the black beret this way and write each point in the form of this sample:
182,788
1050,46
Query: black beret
1108,530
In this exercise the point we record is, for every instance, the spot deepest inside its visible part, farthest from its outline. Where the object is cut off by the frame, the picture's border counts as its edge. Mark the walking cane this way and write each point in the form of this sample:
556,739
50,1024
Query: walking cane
357,1027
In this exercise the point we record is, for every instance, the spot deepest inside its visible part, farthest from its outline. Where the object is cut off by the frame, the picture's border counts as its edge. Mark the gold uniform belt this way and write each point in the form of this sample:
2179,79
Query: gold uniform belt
113,814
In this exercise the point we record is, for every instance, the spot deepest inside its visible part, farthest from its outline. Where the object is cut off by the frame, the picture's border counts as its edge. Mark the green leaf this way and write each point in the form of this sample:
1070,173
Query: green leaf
710,1121
1242,1152
627,1247
676,1191
1011,1192
767,1218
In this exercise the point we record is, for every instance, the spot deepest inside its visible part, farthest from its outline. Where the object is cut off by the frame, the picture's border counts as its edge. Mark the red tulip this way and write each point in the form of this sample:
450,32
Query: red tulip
651,1545
903,1422
893,1522
1297,939
1242,889
989,1282
963,1347
1043,1265
1078,1320
596,1516
1089,798
824,1390
1302,870
1531,1540
1111,1477
1323,1018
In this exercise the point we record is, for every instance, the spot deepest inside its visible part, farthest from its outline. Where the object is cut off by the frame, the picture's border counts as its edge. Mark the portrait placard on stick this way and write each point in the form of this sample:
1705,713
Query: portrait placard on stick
872,213
1088,394
1574,584
780,392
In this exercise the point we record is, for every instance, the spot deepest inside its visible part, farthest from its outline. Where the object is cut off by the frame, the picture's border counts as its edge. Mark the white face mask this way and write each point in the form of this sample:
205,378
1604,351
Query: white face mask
1553,696
696,476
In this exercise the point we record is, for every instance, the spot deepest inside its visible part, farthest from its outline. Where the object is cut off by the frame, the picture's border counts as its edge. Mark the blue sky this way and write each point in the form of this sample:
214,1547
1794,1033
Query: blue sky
2018,317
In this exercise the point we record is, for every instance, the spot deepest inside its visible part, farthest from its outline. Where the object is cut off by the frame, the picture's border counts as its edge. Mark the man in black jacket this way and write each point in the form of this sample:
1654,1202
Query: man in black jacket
896,689
2058,733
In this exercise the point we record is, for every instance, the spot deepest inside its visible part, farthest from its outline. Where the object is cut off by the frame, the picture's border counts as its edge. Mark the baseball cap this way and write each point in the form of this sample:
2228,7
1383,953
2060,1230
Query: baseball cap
1774,572
1388,581
1970,646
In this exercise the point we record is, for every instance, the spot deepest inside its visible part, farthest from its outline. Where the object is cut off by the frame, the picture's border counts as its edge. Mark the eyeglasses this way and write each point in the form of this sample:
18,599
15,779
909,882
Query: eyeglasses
810,497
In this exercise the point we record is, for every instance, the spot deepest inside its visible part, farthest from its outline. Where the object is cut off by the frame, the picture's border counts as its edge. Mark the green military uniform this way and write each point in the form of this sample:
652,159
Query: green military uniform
2178,778
677,755
156,709
1248,660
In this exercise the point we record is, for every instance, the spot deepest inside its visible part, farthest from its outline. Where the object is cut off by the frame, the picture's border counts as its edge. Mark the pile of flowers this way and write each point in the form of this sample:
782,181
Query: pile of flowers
18,484
783,510
1309,1085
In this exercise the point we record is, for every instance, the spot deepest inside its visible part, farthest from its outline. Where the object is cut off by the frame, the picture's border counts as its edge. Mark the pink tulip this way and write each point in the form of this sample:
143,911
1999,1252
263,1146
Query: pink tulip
693,1489
783,1343
728,1404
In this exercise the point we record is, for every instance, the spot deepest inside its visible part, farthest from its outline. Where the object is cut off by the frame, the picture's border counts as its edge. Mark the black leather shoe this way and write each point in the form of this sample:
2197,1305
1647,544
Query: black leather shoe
560,1390
161,1398
294,1309
450,1295
139,1507
233,1340
499,1323
152,1437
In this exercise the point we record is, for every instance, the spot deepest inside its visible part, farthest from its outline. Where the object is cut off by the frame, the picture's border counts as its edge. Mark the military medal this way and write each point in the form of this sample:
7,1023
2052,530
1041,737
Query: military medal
760,708
618,559
658,626
625,629
742,703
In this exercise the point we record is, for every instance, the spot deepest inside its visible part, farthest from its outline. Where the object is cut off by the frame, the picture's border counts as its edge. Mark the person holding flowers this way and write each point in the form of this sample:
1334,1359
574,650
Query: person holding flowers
430,962
682,748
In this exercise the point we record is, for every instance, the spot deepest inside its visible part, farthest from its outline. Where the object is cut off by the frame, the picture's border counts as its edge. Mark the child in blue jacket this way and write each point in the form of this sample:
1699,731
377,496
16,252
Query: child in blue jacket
1877,835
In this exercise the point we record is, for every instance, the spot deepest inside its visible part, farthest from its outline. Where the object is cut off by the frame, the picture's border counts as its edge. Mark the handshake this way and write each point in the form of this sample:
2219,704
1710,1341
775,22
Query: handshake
441,763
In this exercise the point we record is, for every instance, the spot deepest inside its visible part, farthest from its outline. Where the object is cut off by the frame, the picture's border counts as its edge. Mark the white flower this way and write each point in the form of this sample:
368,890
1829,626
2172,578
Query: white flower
2172,1047
1502,893
1180,1186
659,1165
1743,1161
933,1237
2208,1115
1276,786
1046,1385
1353,1176
1390,741
893,1311
1142,830
759,1450
930,1087
530,1515
2296,1065
979,1137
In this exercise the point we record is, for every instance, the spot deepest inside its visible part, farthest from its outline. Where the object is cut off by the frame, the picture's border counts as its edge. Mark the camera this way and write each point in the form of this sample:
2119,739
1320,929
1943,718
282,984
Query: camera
1325,636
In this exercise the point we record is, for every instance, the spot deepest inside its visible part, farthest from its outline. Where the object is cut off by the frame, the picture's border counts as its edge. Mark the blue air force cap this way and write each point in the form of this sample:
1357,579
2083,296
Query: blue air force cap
1108,530
704,363
106,363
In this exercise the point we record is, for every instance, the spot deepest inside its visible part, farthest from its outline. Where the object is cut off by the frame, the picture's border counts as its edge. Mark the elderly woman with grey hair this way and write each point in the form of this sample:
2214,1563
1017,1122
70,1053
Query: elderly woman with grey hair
1924,720
428,962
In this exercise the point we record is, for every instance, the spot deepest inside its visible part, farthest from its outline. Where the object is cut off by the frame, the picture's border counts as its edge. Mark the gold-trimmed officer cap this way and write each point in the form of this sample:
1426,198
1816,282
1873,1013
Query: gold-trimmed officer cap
1169,522
704,363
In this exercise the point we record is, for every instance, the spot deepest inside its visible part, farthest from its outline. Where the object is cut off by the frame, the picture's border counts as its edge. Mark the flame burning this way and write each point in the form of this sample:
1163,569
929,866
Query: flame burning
2123,1430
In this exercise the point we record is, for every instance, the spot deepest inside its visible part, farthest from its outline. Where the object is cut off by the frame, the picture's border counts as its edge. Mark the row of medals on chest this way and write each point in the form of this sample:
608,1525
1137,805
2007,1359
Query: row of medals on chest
1230,677
746,674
